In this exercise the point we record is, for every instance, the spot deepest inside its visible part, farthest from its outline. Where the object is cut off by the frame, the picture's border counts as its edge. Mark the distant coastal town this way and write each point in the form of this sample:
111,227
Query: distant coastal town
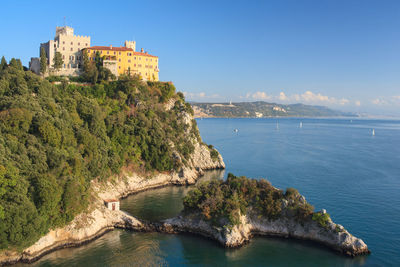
66,54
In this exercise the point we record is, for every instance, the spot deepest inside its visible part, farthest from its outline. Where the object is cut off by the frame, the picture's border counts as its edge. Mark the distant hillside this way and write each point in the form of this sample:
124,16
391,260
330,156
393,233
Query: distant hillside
261,109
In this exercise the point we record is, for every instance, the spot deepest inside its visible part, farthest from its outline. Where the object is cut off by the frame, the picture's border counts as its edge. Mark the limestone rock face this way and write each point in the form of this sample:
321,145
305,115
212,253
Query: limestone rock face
333,236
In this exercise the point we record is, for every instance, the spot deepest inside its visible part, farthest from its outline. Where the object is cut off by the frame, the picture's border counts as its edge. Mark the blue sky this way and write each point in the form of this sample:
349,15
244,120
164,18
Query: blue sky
342,54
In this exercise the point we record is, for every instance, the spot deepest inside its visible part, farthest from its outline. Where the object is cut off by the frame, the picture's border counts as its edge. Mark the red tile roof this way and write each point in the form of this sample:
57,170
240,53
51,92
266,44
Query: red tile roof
111,200
111,48
143,54
121,48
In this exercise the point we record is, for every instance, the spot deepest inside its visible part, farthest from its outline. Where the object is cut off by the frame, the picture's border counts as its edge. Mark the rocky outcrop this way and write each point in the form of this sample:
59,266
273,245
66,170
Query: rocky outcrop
333,235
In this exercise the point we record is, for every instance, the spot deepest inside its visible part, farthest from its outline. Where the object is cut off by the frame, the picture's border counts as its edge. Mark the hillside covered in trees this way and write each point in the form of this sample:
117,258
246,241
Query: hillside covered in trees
261,109
56,138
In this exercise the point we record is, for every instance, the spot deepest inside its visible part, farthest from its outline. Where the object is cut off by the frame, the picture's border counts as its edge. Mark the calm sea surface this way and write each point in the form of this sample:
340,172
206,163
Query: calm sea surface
336,164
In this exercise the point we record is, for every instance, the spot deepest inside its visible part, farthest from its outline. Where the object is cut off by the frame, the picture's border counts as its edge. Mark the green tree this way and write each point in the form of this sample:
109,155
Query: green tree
57,61
19,64
3,63
43,60
14,63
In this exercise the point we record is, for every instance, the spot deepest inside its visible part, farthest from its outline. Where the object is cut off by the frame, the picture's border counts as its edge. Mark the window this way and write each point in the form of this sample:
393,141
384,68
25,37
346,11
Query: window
134,58
63,57
151,59
79,43
146,59
129,61
140,58
88,51
63,48
63,42
72,57
72,43
71,48
119,67
119,53
86,44
114,52
134,65
119,60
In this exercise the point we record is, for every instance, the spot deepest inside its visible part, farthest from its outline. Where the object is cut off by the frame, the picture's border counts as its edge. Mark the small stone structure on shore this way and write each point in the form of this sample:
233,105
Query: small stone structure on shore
112,204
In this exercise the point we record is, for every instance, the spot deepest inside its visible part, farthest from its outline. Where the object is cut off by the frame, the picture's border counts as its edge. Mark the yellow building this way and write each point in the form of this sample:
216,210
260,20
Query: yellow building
125,60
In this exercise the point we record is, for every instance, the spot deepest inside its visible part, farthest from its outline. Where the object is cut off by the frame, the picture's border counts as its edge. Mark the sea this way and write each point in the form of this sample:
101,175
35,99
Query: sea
350,167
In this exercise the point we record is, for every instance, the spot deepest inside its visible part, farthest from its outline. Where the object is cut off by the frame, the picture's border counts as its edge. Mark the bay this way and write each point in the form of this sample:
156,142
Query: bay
337,164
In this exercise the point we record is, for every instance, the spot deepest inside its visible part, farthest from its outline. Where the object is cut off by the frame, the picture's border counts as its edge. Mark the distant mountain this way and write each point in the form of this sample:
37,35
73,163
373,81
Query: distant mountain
261,109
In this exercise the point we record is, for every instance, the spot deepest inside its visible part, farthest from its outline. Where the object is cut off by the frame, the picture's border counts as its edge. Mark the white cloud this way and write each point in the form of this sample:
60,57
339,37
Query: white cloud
282,96
344,101
308,97
357,103
378,101
201,95
260,96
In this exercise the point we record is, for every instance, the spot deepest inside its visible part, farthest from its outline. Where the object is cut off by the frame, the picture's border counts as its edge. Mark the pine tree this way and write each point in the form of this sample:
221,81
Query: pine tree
19,64
14,63
43,60
57,61
3,63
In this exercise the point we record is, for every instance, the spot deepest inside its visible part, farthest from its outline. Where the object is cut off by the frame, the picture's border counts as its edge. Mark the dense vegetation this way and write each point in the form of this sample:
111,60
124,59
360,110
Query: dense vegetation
264,109
55,139
222,202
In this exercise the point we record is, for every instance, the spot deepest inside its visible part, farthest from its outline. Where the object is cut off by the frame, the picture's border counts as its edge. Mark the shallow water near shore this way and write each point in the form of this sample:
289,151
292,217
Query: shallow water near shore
337,164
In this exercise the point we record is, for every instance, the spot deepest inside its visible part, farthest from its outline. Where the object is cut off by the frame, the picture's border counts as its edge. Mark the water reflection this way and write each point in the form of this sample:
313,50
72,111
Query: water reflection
162,203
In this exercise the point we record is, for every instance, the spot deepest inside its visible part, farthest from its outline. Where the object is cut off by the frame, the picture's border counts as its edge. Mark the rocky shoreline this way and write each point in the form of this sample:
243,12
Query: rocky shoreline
98,220
334,236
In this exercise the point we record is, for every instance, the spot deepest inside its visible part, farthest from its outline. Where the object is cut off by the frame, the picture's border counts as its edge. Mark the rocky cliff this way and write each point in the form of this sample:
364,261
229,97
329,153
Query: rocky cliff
98,220
333,236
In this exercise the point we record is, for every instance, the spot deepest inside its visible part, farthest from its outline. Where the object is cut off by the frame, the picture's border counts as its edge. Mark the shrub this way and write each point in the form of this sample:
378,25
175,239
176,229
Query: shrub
321,218
224,201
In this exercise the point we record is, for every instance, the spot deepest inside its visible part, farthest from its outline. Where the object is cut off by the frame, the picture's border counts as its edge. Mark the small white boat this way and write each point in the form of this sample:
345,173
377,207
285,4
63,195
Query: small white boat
301,124
236,130
373,132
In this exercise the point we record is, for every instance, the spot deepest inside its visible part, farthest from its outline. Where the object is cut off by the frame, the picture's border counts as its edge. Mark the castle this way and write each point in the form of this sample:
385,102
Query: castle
73,49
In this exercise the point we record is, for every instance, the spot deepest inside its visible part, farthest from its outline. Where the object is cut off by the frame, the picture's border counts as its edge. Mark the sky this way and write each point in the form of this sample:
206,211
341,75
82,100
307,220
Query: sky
340,54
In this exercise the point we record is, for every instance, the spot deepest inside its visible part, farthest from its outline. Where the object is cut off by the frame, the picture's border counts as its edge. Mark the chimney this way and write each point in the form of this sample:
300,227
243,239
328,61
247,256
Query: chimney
110,46
141,50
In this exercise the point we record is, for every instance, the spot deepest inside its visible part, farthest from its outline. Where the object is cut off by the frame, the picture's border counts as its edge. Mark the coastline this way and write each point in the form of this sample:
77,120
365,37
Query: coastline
98,220
343,243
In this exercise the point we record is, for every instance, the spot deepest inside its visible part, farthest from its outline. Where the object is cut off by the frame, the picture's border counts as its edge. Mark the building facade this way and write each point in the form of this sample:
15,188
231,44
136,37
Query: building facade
119,60
125,60
69,46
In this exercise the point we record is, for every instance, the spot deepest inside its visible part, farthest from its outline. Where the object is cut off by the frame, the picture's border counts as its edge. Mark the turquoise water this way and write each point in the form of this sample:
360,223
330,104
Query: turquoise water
337,164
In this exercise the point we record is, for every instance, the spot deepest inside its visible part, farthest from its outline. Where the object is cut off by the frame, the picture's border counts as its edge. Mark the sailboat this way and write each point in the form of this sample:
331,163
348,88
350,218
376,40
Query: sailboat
301,124
236,130
277,125
373,132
